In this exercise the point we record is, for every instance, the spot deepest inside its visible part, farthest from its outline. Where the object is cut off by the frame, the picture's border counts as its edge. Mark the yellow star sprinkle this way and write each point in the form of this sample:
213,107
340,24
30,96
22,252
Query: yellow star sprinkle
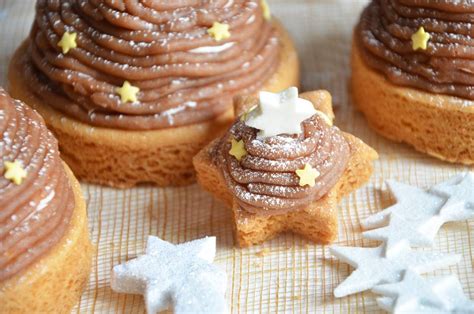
238,149
219,31
68,42
128,92
307,175
14,172
245,115
267,15
420,39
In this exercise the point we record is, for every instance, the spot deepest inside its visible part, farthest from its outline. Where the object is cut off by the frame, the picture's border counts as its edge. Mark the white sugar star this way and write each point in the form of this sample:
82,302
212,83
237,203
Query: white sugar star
412,202
414,294
415,219
280,113
181,274
373,268
459,192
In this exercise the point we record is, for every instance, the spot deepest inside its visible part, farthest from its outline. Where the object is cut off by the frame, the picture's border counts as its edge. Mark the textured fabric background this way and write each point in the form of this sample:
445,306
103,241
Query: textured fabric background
287,274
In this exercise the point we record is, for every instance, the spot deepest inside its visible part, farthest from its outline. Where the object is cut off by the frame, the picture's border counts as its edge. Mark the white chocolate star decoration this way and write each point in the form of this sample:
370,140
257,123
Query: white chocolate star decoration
280,113
182,275
418,214
414,294
374,268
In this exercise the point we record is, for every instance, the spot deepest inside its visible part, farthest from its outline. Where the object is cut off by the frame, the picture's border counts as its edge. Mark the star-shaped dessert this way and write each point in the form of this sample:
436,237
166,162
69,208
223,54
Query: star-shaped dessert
280,113
68,42
420,39
14,172
128,92
182,276
418,214
318,221
219,31
307,175
414,294
374,268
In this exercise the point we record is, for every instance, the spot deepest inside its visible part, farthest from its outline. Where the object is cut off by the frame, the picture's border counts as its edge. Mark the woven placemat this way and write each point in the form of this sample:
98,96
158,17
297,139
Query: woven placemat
287,274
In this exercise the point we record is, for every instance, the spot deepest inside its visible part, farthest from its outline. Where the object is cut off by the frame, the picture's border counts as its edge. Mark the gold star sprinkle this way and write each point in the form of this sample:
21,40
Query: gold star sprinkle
68,42
219,31
307,175
128,92
267,15
14,172
238,149
245,115
420,39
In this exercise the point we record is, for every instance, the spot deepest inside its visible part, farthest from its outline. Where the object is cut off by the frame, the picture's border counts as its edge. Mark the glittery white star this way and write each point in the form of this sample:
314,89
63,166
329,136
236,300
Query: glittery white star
459,192
181,274
418,215
374,268
414,294
280,113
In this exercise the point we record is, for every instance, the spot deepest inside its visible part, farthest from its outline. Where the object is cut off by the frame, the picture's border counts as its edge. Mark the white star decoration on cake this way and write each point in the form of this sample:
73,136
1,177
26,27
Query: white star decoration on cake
374,268
414,294
418,215
280,113
182,275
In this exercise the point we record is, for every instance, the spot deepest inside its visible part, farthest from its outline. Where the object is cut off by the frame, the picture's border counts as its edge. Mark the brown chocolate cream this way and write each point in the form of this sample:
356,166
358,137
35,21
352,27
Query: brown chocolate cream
185,76
34,214
264,182
384,37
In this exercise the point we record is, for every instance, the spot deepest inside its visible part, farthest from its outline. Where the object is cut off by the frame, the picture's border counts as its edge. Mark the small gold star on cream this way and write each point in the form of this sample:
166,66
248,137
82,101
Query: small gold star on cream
219,31
14,172
267,15
68,42
245,115
307,175
128,92
238,149
420,39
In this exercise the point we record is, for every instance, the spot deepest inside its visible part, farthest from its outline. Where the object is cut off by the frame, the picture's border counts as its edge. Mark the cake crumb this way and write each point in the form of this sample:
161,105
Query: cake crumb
263,252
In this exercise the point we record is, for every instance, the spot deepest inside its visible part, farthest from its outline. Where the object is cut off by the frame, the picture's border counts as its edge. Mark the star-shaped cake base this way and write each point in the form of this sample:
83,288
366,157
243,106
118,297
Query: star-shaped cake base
317,222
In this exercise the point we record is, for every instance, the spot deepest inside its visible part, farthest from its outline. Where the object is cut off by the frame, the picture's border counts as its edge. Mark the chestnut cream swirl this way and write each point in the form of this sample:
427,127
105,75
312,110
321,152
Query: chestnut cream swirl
185,76
35,214
264,182
446,66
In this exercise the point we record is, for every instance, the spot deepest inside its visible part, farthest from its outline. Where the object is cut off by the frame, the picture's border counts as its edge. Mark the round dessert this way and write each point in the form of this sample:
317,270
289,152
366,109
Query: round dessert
413,74
134,89
283,166
45,252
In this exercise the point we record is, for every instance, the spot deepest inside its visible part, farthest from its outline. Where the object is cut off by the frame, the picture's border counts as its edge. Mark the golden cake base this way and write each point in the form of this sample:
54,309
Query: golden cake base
55,282
124,158
439,125
317,222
